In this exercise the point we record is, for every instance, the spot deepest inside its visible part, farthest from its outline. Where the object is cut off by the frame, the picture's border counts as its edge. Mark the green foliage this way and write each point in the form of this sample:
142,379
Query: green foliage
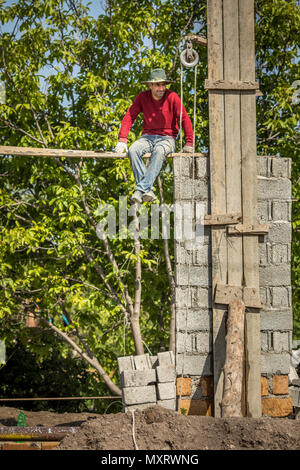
69,80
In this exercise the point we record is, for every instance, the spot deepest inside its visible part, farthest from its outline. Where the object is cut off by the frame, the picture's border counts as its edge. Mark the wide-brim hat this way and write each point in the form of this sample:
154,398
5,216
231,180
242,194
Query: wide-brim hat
158,75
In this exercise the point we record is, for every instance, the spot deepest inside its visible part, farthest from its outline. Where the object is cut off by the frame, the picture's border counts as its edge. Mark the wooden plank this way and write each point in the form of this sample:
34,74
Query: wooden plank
249,197
217,188
59,153
225,294
253,364
248,229
232,137
230,85
222,219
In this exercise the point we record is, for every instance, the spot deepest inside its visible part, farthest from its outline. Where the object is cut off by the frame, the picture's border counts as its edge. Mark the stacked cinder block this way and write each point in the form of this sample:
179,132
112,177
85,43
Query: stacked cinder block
193,287
147,380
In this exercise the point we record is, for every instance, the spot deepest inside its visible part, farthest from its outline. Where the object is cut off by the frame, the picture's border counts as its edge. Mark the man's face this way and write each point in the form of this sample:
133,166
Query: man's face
157,90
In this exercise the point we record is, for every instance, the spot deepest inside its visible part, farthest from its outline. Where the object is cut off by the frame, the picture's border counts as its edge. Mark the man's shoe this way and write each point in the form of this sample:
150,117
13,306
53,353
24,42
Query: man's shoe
137,196
149,196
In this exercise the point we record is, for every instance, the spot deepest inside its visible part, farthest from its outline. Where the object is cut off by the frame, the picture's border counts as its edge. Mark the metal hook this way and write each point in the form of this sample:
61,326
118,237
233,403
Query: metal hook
189,57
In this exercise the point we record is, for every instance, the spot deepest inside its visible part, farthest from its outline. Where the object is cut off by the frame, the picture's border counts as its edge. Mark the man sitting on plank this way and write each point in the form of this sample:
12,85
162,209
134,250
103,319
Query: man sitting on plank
161,110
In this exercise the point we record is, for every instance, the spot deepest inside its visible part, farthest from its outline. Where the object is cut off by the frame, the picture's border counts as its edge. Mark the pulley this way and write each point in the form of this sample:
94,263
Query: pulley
189,57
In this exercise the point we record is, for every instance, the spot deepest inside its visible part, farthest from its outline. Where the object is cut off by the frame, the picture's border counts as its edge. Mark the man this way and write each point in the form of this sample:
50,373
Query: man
161,110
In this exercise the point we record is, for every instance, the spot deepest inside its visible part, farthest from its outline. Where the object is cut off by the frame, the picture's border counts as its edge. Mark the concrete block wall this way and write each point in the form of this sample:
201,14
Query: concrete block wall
194,366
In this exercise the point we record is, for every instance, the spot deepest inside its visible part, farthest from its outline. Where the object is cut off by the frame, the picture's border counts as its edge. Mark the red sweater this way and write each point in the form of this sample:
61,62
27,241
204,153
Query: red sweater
160,116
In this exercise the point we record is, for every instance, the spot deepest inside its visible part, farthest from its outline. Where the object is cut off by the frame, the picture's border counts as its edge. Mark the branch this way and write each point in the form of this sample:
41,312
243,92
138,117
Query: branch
169,271
91,360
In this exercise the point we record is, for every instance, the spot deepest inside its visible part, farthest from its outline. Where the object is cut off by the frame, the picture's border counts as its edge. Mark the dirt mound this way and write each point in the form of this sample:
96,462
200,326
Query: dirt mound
157,428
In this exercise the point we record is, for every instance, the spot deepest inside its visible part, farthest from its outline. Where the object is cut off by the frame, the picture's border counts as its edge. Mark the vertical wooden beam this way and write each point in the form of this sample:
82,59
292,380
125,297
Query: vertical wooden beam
217,188
249,197
232,137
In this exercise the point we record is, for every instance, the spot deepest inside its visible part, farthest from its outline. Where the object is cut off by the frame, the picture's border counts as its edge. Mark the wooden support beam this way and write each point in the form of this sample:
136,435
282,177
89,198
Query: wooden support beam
201,40
234,364
217,189
231,85
60,153
225,294
249,198
222,219
248,229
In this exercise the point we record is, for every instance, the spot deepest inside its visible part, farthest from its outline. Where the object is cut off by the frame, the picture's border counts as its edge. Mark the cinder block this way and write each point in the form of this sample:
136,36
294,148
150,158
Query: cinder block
195,342
280,253
192,275
166,391
273,188
165,374
275,319
185,190
193,320
142,362
281,167
126,363
201,167
137,378
274,363
170,404
281,210
166,358
182,167
154,361
194,365
279,233
281,341
139,395
275,275
281,296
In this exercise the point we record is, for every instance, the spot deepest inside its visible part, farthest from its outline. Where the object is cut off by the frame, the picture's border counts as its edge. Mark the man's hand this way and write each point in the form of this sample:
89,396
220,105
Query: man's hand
121,147
188,149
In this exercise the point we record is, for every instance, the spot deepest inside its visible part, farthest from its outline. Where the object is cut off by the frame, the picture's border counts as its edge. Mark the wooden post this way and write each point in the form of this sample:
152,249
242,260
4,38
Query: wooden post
233,178
217,188
249,197
234,363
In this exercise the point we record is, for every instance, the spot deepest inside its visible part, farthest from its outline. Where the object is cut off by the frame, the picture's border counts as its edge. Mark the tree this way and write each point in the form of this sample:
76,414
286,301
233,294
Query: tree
69,79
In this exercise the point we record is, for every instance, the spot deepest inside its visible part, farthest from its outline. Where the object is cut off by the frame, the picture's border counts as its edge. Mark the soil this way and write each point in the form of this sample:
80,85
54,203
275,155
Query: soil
158,428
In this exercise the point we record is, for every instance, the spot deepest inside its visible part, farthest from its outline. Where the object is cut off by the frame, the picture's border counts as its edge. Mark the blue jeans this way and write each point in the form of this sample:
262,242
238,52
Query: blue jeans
159,146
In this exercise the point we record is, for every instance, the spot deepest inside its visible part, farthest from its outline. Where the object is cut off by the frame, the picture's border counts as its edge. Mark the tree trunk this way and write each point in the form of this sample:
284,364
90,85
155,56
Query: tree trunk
234,362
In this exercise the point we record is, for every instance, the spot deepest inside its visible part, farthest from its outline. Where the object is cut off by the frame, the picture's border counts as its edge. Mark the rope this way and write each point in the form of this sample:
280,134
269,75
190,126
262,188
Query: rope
193,198
133,431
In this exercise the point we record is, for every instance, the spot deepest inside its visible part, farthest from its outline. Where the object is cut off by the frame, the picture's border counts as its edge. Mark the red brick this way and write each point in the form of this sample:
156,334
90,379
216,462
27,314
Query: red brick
281,384
195,407
277,407
207,386
186,386
20,446
264,386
